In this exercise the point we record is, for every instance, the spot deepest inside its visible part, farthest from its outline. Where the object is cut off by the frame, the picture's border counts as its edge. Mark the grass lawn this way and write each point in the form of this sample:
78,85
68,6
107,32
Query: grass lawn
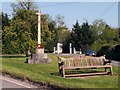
48,73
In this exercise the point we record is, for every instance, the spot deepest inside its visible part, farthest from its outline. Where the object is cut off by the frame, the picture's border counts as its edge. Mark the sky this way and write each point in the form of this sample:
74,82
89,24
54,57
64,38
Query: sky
77,10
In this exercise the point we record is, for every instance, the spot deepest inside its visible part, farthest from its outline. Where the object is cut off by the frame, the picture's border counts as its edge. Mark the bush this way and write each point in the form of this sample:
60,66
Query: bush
114,54
117,48
104,50
110,52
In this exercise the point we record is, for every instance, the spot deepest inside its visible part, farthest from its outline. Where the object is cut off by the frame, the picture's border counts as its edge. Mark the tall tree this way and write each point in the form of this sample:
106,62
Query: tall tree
5,20
76,35
46,33
18,33
98,27
24,4
81,36
97,30
103,35
52,28
60,25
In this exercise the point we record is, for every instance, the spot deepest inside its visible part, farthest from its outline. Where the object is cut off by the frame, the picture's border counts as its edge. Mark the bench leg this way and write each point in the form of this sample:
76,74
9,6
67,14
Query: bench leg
63,72
60,71
111,70
105,69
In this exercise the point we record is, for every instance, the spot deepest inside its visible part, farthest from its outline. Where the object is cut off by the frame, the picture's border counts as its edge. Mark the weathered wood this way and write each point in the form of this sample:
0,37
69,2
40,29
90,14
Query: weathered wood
82,63
68,68
87,74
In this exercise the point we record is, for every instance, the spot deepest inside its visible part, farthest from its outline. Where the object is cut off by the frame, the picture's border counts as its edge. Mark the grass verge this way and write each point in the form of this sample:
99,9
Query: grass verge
48,74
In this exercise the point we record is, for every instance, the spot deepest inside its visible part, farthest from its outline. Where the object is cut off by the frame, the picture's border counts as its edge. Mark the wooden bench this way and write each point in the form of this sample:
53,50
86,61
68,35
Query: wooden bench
85,63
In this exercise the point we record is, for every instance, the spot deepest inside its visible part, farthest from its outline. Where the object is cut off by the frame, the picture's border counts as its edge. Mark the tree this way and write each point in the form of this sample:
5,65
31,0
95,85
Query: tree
81,36
52,28
24,4
22,32
76,35
60,25
103,35
46,33
5,20
97,30
108,35
119,34
60,21
17,37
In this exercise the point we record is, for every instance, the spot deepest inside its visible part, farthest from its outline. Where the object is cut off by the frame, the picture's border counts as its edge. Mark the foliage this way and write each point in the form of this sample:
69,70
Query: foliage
20,32
117,48
104,50
18,36
24,4
114,54
61,29
110,52
5,20
103,35
81,36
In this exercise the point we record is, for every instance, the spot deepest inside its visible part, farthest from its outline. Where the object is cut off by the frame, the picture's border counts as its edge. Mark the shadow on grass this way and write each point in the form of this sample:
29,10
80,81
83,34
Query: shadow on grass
83,73
55,74
12,56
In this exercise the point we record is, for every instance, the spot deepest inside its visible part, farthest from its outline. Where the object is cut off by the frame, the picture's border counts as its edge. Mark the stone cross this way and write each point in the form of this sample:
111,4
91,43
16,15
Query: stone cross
39,27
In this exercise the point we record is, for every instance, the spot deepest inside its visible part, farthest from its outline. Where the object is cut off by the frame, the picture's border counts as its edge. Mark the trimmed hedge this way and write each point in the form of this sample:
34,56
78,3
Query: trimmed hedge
104,50
117,48
112,53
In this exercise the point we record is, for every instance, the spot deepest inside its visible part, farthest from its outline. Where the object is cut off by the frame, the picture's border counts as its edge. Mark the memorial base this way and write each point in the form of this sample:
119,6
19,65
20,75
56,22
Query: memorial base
39,56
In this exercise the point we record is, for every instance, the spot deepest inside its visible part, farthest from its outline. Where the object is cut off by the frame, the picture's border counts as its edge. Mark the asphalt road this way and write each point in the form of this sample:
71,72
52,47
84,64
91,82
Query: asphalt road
12,84
116,63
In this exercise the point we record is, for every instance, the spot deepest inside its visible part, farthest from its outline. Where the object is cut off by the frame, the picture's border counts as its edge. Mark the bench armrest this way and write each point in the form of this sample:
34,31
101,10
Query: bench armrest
107,62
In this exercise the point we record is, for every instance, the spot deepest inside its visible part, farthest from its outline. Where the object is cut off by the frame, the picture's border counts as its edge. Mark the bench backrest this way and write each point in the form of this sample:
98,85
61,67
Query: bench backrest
81,62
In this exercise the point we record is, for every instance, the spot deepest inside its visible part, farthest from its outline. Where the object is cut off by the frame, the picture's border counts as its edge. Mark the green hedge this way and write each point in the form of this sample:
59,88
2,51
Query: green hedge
110,52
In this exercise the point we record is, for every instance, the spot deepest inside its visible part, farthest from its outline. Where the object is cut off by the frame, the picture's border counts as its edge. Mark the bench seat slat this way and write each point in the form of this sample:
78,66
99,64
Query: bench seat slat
67,68
100,73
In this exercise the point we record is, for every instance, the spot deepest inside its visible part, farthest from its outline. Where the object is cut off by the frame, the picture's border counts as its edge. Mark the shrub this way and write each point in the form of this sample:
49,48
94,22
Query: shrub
117,48
104,50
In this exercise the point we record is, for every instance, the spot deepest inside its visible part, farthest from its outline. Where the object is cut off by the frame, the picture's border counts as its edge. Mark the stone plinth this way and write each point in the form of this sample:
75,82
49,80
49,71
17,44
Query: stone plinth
40,57
40,51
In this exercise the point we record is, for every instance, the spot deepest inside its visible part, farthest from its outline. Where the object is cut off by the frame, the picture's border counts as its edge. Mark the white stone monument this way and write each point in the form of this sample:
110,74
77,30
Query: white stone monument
40,56
70,46
80,51
59,48
40,49
74,50
54,50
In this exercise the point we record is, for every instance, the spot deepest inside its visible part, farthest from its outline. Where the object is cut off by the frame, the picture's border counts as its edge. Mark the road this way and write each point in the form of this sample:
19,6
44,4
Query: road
116,63
12,84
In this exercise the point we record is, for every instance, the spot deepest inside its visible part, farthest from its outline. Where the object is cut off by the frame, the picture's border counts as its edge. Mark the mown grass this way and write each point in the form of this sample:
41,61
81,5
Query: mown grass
48,73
